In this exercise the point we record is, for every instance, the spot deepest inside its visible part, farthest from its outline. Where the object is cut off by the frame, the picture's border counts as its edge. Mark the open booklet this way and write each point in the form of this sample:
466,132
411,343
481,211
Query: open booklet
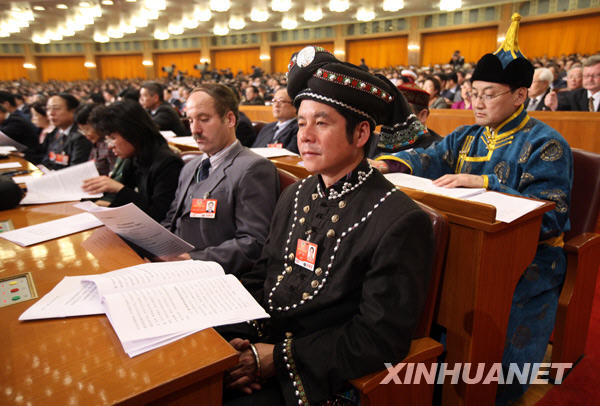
508,208
153,304
273,152
60,186
139,229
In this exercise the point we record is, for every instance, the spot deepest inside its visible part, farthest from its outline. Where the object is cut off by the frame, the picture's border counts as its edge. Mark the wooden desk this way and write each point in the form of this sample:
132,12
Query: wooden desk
579,128
25,166
80,360
484,262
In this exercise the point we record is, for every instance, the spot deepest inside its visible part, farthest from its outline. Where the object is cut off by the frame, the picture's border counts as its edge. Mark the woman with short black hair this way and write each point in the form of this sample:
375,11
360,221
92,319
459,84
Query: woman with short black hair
151,180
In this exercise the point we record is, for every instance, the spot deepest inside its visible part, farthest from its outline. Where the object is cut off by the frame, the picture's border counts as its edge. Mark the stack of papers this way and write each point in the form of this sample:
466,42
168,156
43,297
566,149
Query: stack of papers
273,152
426,185
10,165
60,186
153,304
508,208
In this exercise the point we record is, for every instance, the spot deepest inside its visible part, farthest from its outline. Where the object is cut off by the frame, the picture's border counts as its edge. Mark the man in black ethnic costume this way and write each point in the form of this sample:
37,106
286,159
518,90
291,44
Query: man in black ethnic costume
350,305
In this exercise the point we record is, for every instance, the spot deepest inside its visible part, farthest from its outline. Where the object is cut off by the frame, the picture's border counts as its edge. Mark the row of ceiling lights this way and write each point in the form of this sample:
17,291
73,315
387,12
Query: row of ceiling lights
86,12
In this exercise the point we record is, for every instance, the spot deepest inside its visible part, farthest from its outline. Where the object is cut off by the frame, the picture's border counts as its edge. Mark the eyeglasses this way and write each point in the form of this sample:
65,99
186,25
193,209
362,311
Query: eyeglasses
486,97
281,101
592,76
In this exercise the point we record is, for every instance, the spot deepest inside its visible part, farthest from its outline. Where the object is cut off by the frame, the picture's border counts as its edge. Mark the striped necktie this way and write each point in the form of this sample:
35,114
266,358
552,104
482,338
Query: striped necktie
591,104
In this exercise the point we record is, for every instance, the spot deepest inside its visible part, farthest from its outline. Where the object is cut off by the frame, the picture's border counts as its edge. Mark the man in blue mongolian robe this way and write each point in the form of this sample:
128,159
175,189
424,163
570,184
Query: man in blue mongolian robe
508,151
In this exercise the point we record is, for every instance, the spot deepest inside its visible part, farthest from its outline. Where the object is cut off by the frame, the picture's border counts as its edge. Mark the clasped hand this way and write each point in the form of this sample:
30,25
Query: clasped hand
245,376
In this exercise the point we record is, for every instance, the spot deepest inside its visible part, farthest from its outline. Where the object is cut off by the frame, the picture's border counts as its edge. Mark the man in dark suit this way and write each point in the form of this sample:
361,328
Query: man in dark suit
540,87
65,145
284,130
242,185
165,116
584,99
15,126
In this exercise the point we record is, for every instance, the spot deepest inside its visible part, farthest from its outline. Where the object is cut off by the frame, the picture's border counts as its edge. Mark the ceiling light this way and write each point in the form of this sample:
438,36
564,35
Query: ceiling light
204,60
259,14
54,35
28,65
127,28
160,34
84,4
130,1
139,21
202,14
189,23
413,47
66,31
107,2
339,52
89,65
4,34
339,6
39,8
289,23
114,32
365,14
155,4
264,57
281,5
220,29
313,13
236,22
147,62
393,5
100,37
40,39
175,29
149,14
219,5
62,6
450,5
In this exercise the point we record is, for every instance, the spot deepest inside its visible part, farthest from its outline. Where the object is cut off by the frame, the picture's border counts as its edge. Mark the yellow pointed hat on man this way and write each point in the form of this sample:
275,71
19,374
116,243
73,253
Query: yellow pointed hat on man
507,65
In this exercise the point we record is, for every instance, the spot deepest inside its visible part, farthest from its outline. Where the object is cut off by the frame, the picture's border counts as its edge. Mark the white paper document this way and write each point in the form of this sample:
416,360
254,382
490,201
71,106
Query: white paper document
508,208
187,141
273,152
426,185
153,304
7,149
51,229
60,186
69,298
10,165
131,223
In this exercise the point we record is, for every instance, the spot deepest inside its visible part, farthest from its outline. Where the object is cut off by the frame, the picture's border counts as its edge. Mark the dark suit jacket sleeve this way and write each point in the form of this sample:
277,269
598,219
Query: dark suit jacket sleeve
291,137
381,331
574,100
167,119
163,183
80,149
255,199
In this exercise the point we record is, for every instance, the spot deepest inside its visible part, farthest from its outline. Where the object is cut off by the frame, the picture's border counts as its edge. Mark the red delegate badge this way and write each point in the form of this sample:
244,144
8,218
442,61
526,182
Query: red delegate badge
306,254
204,208
275,145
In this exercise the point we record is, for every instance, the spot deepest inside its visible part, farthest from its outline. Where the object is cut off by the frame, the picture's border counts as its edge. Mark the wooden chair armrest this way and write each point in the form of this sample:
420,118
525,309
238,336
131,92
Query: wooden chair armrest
421,350
582,241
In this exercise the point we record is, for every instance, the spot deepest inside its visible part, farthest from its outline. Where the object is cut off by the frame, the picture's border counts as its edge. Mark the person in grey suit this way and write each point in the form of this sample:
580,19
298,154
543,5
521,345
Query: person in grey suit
284,130
242,185
585,99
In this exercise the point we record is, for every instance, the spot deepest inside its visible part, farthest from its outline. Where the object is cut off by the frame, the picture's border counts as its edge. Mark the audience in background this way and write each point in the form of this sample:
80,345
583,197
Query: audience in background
39,119
280,133
540,87
15,126
65,145
162,113
433,86
585,99
465,95
101,154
